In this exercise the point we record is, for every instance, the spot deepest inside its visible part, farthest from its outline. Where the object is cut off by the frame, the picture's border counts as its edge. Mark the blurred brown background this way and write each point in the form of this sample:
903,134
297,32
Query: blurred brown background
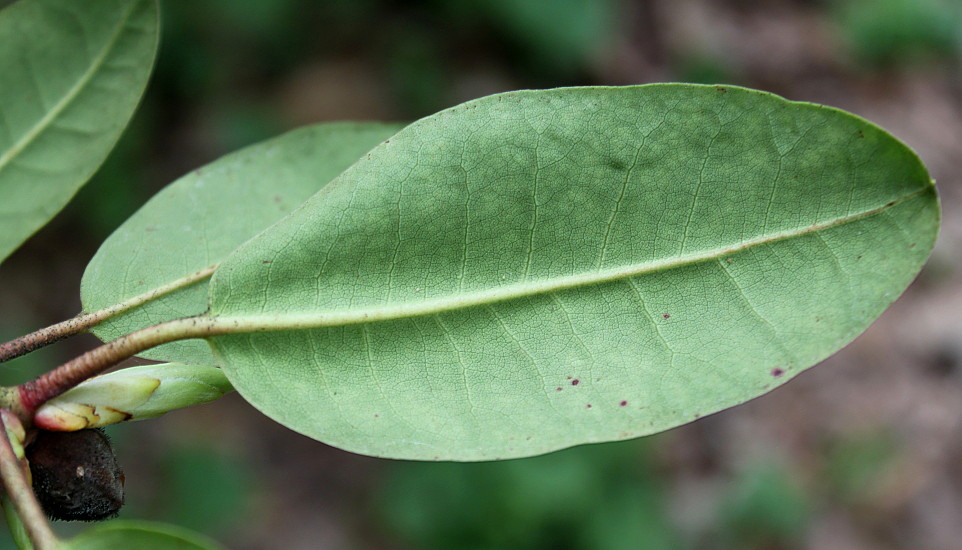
861,452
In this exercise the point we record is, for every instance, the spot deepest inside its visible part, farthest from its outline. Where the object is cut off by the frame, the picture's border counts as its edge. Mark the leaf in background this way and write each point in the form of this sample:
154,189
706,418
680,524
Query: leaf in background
207,490
540,269
142,535
588,26
602,497
73,73
199,219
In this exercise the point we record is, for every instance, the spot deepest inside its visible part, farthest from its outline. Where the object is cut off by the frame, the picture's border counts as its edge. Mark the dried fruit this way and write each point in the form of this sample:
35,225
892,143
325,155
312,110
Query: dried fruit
76,475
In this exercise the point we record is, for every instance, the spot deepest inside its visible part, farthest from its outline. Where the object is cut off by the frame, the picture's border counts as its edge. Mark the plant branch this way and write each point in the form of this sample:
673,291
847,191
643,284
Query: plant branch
21,494
48,335
85,321
31,395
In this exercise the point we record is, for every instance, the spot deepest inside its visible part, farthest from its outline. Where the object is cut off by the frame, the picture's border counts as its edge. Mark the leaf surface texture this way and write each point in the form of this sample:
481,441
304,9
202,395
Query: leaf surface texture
540,269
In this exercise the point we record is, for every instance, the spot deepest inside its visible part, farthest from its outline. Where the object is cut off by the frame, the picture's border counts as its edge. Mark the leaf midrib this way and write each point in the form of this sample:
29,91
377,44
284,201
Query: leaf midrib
230,323
44,122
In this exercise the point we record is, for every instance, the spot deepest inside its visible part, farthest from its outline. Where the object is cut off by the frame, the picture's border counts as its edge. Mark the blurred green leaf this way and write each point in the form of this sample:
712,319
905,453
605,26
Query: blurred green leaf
418,73
561,36
764,509
883,33
262,19
856,465
703,68
205,489
139,535
72,75
603,497
239,124
220,50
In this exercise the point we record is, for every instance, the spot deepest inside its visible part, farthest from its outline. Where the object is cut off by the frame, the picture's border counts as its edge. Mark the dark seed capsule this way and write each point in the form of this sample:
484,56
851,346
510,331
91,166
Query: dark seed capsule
76,475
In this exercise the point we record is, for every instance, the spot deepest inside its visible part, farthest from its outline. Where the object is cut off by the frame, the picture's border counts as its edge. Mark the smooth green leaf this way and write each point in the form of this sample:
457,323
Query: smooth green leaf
141,535
73,73
540,269
199,219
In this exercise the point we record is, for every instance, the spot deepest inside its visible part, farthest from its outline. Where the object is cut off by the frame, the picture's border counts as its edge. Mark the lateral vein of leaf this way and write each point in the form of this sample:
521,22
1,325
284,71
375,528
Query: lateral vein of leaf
151,295
68,98
227,323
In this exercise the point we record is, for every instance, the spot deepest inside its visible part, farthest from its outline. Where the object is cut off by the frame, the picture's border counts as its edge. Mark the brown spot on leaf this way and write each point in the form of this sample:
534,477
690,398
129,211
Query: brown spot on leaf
623,404
777,372
666,315
575,382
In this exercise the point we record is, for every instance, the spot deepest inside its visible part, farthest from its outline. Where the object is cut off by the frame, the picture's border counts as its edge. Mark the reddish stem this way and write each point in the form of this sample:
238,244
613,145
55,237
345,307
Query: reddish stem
45,336
37,392
21,494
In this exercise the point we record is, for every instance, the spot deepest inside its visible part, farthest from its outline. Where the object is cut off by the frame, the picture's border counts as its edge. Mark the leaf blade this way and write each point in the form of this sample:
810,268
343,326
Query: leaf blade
71,96
193,223
359,353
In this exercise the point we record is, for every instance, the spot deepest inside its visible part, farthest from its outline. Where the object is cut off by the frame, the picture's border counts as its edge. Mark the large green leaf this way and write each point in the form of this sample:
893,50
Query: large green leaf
198,220
541,269
139,535
72,74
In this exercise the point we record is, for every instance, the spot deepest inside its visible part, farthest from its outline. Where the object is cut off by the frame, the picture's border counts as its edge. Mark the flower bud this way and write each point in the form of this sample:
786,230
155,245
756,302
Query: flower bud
135,393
